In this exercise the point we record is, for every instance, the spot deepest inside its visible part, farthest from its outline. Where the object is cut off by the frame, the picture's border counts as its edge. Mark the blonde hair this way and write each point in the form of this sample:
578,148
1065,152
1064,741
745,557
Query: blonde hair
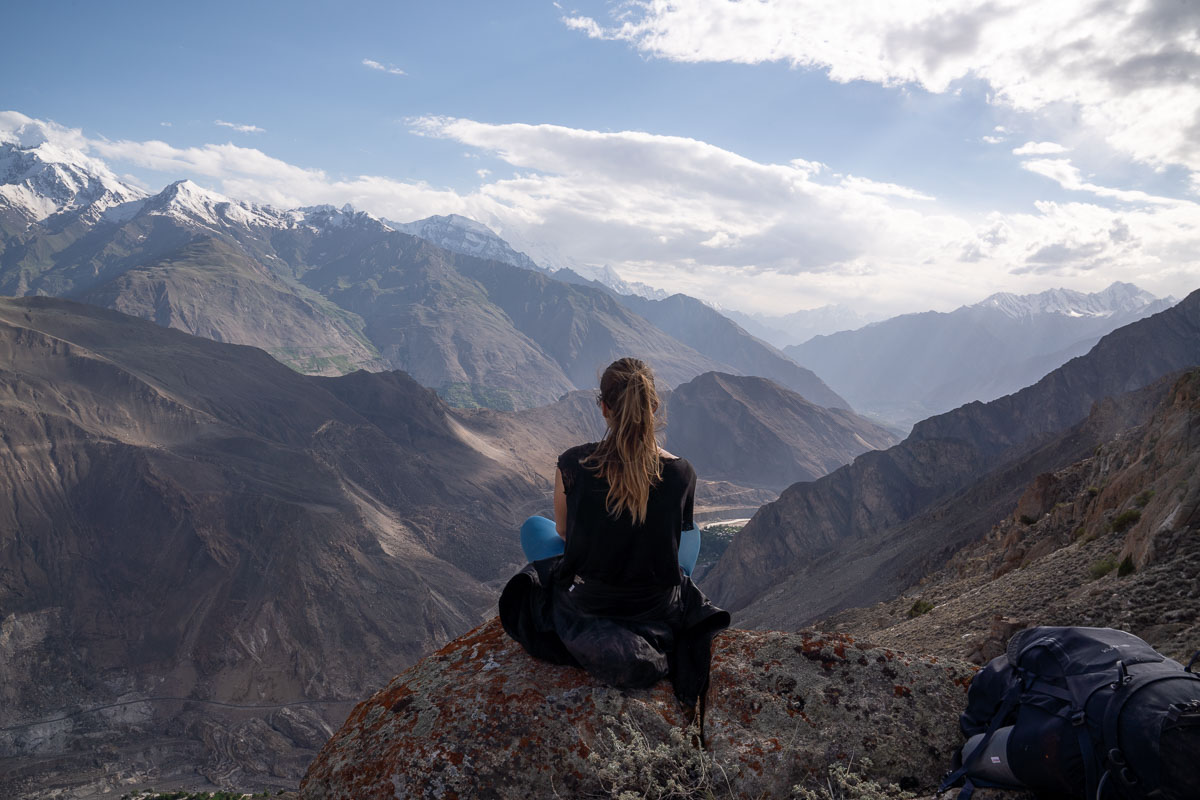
627,457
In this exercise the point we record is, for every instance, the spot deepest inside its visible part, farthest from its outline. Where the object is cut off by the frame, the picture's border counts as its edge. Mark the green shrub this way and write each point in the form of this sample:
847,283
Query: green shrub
1126,567
1125,520
1102,566
1027,520
1093,491
1144,498
920,607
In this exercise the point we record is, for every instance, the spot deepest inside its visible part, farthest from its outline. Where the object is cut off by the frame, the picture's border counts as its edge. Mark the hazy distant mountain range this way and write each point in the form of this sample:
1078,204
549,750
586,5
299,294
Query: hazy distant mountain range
870,529
910,367
797,327
329,290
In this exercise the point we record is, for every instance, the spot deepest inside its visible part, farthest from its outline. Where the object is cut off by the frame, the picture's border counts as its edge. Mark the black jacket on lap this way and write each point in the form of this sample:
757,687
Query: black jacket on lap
626,637
616,602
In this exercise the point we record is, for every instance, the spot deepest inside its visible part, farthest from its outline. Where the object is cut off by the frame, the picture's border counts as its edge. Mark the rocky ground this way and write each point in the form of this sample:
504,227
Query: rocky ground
481,718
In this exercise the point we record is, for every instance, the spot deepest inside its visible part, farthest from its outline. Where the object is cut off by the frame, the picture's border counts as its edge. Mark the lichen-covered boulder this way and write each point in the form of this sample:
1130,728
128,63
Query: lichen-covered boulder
784,707
481,718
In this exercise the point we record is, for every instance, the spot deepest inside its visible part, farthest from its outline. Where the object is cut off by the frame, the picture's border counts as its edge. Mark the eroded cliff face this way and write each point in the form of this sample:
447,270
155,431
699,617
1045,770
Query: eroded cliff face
1112,540
186,524
481,718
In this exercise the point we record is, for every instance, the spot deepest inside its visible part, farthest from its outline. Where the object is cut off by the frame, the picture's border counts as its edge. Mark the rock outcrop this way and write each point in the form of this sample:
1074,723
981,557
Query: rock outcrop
481,718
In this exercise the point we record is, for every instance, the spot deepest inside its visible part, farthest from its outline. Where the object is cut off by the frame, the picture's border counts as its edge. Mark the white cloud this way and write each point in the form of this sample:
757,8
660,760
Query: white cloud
1061,171
686,215
388,68
1039,149
238,127
1131,70
993,139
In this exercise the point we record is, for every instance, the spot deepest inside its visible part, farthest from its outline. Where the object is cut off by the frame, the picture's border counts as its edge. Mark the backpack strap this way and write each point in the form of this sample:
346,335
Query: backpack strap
1078,689
1011,697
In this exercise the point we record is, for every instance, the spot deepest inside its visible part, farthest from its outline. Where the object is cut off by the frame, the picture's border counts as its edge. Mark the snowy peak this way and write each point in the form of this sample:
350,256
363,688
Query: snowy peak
191,203
609,277
462,235
1119,298
41,175
326,217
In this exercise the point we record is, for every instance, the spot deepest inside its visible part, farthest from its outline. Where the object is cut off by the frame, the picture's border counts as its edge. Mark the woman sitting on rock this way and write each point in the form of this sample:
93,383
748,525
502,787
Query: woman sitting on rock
608,587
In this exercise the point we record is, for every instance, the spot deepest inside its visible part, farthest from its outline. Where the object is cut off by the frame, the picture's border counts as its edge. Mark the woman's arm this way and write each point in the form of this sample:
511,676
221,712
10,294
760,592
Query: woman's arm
560,505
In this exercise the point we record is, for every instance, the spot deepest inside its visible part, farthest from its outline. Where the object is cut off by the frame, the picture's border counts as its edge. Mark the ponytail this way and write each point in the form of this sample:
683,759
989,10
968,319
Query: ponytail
627,457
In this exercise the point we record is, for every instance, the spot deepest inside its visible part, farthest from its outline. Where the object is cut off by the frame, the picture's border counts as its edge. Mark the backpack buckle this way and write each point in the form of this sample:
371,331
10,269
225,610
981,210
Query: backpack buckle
1078,718
1177,710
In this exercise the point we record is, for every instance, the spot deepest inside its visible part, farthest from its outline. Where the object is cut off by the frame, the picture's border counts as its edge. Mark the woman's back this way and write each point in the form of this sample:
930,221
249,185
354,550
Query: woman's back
612,548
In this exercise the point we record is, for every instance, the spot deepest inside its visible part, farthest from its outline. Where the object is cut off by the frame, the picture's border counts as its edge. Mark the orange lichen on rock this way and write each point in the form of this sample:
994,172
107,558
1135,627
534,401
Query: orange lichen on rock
481,717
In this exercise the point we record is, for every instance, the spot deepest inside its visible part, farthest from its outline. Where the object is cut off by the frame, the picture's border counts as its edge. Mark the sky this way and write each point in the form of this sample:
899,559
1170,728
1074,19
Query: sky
763,156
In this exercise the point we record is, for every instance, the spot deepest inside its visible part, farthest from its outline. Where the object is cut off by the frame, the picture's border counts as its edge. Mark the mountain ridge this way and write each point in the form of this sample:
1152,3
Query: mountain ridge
944,454
914,366
329,290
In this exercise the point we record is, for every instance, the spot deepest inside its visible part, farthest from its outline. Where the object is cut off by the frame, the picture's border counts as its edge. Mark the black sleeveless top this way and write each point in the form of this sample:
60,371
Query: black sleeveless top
613,550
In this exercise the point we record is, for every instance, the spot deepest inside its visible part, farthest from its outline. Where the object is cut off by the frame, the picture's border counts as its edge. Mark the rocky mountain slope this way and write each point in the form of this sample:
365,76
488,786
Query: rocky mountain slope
718,337
754,432
910,367
483,718
459,234
329,290
194,520
864,510
1111,540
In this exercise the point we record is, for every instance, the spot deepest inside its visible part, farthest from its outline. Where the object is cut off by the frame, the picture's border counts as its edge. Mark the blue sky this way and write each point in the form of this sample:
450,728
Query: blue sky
762,156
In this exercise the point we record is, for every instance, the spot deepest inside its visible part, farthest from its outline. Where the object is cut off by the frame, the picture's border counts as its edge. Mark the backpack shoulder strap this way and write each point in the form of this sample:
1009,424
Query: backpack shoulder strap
1011,697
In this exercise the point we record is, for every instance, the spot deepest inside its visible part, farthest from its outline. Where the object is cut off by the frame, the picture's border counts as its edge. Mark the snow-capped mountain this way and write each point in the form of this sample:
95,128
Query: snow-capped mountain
609,277
327,217
40,177
1119,298
460,234
188,202
329,290
913,366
